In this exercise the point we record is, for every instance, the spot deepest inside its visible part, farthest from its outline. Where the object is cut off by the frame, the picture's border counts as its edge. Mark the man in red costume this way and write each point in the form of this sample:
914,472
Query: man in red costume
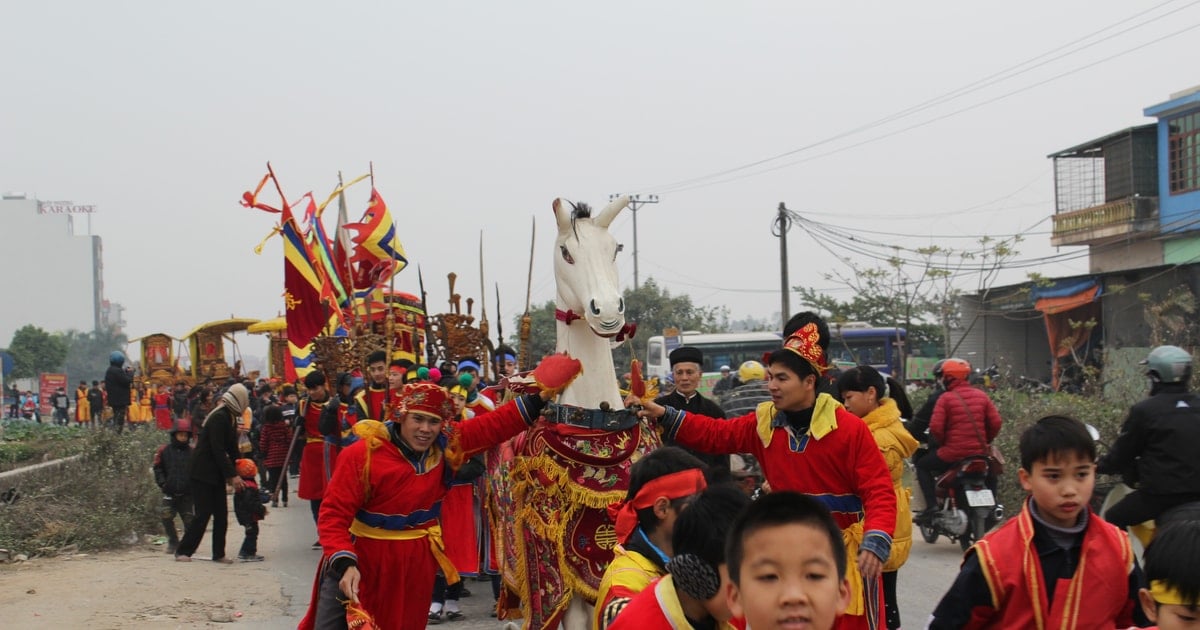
379,521
312,460
372,401
807,442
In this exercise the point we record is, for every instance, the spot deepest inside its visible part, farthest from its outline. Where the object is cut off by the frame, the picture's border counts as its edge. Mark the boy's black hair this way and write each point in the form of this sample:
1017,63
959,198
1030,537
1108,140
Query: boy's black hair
860,378
379,356
1055,435
1172,558
315,378
658,463
702,528
804,318
775,510
273,413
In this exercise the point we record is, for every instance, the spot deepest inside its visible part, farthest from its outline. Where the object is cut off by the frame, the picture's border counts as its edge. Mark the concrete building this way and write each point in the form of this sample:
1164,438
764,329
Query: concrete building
1131,197
55,269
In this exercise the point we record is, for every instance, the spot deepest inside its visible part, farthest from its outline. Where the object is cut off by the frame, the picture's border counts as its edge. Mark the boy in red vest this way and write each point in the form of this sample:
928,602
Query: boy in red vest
1173,599
1057,564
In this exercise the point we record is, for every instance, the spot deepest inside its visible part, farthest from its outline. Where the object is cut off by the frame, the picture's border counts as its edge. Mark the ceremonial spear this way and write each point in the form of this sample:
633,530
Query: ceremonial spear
526,319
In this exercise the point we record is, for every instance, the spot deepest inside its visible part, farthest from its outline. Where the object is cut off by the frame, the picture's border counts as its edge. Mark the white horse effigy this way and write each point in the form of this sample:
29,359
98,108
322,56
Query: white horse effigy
556,537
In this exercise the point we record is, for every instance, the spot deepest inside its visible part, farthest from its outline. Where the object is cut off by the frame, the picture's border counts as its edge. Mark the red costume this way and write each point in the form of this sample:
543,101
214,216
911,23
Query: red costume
1096,596
162,411
658,608
313,462
836,461
381,509
370,403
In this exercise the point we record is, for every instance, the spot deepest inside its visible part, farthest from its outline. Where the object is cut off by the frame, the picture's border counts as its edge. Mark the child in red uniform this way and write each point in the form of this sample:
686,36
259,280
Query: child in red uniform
787,565
660,485
162,408
692,594
807,442
1057,564
1173,599
379,518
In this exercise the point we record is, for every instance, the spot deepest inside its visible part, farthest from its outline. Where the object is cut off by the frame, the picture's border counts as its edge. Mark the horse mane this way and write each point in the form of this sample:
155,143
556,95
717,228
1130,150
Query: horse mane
579,211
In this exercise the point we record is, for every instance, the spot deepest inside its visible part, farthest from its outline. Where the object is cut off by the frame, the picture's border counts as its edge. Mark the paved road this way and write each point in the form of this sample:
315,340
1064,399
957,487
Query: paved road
288,534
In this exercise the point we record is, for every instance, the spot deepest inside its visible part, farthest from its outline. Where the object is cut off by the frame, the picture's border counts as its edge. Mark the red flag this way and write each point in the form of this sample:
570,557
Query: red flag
302,283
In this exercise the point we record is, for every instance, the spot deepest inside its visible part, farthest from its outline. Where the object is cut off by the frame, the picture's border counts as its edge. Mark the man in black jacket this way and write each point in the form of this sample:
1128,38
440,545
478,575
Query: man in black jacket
117,381
1157,443
212,467
687,369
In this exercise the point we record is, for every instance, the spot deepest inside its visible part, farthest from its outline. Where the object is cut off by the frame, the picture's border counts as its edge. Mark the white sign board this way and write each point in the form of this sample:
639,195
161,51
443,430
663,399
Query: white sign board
65,207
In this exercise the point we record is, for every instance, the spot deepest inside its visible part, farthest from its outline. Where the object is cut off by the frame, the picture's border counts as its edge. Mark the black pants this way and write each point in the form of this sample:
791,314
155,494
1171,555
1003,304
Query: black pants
1141,506
442,592
315,506
118,421
928,469
250,542
210,502
891,606
275,476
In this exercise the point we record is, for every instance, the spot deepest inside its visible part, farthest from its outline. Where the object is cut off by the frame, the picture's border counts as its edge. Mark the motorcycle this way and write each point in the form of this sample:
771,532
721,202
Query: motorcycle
966,499
1106,495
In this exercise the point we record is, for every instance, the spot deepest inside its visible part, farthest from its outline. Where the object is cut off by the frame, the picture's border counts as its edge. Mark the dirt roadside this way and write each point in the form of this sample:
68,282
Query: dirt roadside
140,587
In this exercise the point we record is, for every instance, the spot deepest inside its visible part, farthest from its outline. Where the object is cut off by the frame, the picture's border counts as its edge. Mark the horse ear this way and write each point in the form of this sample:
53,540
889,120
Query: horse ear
611,211
562,216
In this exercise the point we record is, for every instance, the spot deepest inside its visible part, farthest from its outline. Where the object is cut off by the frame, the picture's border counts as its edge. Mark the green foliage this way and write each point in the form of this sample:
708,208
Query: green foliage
651,306
95,502
1019,410
35,351
24,441
87,353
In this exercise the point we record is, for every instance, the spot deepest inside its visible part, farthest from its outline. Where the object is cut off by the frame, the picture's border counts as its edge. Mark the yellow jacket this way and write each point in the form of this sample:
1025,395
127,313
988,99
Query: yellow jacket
896,445
627,575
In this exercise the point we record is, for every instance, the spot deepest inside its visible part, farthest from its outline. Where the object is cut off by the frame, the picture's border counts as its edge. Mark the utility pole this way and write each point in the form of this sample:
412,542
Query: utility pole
780,228
635,202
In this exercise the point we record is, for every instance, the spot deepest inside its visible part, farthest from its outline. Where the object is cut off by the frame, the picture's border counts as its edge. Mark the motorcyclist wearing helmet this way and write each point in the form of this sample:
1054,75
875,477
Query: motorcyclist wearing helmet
117,382
1157,443
963,425
744,398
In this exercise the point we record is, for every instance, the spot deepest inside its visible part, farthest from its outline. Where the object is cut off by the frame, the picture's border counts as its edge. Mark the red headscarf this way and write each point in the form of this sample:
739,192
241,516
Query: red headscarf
684,483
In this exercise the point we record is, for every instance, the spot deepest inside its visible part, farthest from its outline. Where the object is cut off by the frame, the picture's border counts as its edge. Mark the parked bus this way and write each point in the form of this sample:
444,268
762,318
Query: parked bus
719,349
856,343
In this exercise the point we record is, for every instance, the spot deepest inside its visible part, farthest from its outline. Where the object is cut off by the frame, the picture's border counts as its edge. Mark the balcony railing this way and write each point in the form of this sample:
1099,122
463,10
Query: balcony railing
1113,219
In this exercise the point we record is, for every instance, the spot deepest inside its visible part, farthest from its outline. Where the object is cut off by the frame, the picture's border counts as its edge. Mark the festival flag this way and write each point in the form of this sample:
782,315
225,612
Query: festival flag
377,253
302,282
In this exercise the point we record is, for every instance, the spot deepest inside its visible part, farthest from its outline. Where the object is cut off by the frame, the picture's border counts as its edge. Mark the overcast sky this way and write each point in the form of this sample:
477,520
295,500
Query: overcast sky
477,115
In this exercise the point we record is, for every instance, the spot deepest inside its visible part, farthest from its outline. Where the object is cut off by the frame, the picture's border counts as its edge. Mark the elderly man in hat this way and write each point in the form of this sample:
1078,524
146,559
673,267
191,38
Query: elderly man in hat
687,369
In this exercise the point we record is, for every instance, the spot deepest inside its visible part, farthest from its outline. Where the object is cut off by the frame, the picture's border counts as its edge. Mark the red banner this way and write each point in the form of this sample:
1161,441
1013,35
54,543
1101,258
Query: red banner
47,385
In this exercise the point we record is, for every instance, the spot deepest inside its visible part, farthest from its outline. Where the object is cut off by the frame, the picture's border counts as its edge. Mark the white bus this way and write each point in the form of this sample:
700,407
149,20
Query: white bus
719,349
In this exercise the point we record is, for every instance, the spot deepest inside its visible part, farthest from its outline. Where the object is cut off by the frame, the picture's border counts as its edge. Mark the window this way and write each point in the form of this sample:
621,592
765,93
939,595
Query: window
1183,153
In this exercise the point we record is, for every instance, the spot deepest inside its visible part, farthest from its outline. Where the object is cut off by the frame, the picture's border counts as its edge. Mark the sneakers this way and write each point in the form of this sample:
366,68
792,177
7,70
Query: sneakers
251,558
454,615
435,617
275,504
317,545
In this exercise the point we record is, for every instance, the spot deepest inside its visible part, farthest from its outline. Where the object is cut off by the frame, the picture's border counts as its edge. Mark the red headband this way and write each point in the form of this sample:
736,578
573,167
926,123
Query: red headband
397,369
684,483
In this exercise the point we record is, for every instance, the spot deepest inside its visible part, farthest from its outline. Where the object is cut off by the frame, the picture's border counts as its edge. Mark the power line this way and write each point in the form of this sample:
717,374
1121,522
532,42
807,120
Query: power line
703,181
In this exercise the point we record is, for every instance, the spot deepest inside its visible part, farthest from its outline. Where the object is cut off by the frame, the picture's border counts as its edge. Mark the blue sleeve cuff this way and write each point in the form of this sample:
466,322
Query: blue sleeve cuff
530,406
878,543
670,422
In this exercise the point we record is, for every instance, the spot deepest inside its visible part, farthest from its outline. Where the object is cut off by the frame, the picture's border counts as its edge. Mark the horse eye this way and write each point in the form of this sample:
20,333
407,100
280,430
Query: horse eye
566,255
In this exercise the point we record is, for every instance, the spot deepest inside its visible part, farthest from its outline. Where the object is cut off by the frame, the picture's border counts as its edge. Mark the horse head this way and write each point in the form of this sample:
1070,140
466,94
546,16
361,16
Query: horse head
585,265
